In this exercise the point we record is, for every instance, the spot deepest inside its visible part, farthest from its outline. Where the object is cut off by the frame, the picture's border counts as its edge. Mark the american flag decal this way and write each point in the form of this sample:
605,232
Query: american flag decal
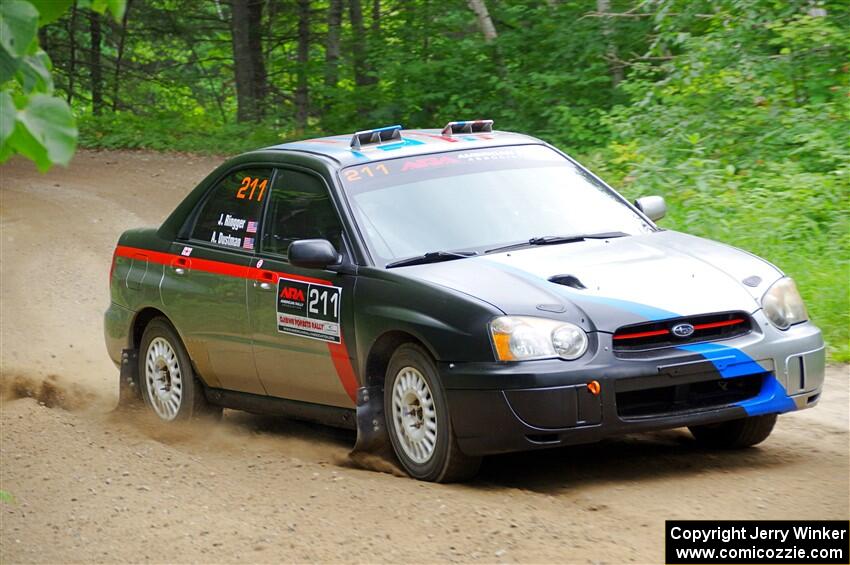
248,243
252,227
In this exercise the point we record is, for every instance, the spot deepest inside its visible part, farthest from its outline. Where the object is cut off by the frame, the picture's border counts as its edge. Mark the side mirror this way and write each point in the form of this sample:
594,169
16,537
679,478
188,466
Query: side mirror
313,254
653,207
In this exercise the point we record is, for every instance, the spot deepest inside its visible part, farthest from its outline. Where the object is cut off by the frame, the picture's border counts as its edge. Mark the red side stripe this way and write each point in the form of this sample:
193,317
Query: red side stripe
194,263
254,273
344,370
338,351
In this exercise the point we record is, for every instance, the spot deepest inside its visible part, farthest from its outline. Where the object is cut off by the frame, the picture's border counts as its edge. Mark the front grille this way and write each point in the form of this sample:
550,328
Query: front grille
706,327
687,396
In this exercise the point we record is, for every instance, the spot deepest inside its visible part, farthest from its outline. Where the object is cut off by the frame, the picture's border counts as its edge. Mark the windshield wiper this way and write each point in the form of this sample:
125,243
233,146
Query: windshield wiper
557,239
431,257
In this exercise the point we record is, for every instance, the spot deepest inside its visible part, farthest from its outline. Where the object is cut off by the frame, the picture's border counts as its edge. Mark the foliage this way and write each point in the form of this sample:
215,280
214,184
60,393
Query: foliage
747,137
169,131
33,122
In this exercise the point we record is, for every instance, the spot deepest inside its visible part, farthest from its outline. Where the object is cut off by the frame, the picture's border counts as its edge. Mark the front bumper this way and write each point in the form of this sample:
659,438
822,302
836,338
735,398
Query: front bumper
503,407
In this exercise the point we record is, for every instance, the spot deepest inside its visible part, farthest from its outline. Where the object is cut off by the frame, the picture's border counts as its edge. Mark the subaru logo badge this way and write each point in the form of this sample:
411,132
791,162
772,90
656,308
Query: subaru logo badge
682,330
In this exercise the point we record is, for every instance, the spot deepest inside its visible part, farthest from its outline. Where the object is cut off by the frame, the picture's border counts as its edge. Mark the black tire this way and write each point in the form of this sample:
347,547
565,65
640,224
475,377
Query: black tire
193,403
735,434
447,463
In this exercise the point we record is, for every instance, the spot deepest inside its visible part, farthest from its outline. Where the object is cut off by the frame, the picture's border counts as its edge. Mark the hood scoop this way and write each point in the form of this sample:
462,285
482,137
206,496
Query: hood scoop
568,280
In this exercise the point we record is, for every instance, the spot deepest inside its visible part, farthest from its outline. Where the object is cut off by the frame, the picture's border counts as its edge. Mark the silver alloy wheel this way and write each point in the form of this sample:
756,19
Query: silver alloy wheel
163,379
414,415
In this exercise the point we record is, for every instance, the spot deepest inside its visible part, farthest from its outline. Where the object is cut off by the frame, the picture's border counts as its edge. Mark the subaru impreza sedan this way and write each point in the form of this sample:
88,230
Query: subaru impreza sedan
452,293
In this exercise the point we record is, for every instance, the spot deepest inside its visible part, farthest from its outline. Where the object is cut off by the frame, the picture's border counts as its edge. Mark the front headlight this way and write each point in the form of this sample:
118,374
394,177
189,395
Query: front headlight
783,305
520,338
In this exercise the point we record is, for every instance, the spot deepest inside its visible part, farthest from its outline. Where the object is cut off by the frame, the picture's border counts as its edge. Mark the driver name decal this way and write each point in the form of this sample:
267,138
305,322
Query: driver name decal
308,310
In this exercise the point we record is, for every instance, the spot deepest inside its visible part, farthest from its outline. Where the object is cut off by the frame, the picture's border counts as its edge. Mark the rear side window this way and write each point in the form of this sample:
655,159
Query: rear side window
230,216
300,208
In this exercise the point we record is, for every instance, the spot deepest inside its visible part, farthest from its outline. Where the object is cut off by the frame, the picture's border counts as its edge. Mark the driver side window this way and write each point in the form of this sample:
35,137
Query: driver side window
300,208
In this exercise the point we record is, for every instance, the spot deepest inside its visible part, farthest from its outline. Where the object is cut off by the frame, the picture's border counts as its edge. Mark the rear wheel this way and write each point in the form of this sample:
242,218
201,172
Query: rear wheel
168,383
735,434
418,419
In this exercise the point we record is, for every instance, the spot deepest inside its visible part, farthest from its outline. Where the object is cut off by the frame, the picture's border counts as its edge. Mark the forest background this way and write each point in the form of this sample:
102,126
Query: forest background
736,111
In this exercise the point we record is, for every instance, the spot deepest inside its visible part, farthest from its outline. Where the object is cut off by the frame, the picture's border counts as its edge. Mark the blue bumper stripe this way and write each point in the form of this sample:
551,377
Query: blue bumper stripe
731,362
771,400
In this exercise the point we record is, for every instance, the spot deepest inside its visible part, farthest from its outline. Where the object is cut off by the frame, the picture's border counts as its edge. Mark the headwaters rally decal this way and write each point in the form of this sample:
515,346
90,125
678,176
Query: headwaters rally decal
308,309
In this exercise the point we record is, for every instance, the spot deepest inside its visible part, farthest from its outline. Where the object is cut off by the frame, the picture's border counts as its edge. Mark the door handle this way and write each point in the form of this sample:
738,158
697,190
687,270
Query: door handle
180,264
267,280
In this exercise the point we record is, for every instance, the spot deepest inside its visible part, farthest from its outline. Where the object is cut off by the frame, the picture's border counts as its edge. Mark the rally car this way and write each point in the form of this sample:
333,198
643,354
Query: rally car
452,293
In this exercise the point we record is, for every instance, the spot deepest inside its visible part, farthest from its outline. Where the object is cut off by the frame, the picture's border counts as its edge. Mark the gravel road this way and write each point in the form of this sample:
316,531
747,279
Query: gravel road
91,485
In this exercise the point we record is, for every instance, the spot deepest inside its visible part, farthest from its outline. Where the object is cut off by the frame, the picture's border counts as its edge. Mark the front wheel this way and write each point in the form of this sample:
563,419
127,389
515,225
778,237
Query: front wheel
418,420
168,383
735,434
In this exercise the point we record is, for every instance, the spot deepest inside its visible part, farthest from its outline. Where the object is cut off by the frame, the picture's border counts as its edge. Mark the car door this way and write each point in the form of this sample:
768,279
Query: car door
301,318
204,287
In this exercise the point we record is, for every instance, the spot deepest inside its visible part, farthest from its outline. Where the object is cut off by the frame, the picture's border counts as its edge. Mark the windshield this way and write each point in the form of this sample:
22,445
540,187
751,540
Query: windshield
479,199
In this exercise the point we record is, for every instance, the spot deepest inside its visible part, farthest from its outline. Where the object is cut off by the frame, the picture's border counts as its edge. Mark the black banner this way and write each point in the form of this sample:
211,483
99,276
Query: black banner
309,310
692,542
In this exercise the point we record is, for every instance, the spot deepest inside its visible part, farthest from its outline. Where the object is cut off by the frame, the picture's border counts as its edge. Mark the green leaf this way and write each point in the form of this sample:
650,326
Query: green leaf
51,124
35,73
51,10
8,115
8,65
18,26
6,497
21,141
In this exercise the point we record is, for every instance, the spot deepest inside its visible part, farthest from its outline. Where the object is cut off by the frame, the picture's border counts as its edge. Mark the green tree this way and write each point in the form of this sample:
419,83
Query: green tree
744,126
33,122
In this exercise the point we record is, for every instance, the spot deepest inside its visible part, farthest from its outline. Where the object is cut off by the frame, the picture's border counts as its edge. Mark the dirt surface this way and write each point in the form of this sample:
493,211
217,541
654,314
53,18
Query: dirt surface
90,485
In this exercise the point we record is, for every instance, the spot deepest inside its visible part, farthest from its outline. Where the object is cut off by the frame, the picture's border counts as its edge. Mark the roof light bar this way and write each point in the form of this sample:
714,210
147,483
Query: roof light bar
472,126
376,136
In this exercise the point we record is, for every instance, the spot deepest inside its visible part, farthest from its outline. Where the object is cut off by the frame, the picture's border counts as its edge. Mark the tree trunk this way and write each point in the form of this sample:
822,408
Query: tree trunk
116,79
72,47
484,21
95,70
332,43
249,71
255,42
363,75
376,19
604,7
302,100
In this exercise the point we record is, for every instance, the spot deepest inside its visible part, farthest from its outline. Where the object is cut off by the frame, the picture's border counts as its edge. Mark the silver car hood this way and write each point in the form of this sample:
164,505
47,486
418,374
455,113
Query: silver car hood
627,280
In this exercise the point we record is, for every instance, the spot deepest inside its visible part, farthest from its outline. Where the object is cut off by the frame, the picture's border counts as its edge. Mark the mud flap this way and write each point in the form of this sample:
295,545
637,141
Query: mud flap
371,426
129,393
